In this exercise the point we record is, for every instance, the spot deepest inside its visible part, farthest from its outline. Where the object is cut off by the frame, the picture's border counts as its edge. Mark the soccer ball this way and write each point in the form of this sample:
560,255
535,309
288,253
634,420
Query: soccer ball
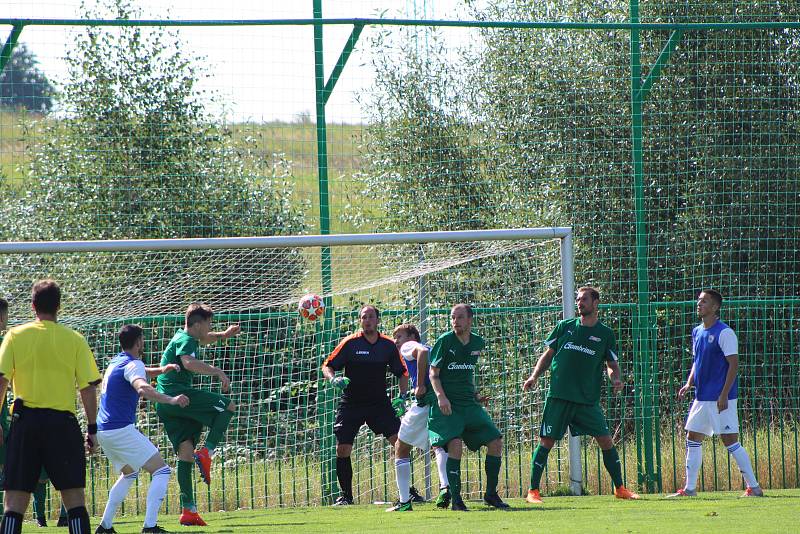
311,307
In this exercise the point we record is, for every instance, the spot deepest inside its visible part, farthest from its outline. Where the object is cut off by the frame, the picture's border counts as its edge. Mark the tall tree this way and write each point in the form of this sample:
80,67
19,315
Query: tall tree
138,156
23,84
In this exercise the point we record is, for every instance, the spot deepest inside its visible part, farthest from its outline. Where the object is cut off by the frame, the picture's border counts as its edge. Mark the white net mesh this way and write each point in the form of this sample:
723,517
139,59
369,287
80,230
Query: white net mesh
279,449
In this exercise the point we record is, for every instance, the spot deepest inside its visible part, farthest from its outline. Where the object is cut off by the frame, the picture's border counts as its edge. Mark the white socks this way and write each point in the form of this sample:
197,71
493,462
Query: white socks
158,488
116,496
743,460
694,459
441,466
402,468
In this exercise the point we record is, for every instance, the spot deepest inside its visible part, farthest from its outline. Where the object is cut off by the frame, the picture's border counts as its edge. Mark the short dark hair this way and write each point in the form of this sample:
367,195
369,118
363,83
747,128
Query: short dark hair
409,328
715,295
464,305
3,305
197,311
370,306
129,335
46,296
592,291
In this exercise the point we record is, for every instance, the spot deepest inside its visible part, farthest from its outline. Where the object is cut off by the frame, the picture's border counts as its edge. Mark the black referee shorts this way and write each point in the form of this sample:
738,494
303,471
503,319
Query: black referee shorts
380,418
52,439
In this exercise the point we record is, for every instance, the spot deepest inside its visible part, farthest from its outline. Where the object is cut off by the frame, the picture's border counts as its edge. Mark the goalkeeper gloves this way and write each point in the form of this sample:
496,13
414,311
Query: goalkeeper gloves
399,404
340,382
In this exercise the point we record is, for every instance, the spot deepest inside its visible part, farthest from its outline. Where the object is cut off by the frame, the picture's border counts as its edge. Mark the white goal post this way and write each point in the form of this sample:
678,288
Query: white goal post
563,234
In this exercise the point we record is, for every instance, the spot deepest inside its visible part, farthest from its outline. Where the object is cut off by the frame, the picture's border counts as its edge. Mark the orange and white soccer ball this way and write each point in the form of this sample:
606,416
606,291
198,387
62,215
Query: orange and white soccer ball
311,307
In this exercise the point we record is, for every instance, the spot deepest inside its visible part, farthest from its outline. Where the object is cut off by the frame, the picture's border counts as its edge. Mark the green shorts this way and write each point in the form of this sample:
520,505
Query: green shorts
469,422
183,424
582,419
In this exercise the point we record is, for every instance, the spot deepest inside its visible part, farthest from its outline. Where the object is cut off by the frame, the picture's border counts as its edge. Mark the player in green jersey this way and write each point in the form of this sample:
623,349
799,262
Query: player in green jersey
578,351
206,409
457,413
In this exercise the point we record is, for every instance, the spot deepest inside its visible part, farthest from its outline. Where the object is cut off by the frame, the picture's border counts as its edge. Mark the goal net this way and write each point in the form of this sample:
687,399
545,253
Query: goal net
279,449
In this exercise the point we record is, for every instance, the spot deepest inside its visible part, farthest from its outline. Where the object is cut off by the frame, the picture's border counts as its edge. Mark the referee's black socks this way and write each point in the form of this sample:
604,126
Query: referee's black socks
78,520
12,523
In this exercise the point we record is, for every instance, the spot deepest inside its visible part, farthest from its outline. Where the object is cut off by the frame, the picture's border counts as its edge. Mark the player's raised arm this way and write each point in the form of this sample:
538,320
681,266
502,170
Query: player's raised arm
213,337
542,365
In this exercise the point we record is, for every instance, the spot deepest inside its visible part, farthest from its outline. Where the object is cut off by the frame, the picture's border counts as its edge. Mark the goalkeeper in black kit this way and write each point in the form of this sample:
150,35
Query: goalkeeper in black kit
365,357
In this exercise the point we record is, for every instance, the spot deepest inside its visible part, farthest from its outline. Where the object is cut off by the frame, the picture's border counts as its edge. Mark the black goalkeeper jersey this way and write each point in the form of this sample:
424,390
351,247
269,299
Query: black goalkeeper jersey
365,364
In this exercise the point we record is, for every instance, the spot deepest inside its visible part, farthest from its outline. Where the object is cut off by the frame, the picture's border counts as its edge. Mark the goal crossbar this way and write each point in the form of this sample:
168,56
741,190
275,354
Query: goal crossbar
119,245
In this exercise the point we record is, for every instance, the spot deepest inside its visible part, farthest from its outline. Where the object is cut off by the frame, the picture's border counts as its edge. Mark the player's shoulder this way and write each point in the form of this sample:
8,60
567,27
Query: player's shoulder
351,338
385,338
723,326
446,337
476,338
566,323
605,329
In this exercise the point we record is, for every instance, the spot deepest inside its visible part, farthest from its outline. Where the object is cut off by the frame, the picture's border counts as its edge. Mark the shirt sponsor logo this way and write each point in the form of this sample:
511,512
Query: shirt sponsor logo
455,366
362,352
572,346
594,338
475,353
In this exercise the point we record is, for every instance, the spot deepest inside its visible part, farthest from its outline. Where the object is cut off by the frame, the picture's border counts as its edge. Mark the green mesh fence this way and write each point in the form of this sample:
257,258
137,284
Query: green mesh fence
670,148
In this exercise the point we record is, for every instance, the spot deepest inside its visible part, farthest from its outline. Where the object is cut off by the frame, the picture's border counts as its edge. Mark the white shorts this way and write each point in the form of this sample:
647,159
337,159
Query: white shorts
705,418
126,446
414,427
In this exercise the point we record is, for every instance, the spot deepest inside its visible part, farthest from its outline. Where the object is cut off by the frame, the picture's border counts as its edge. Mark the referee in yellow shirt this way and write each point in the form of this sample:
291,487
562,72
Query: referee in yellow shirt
45,361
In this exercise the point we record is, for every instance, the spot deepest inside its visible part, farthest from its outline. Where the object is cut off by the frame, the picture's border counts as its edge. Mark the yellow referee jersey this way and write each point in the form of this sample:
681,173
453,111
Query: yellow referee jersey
45,361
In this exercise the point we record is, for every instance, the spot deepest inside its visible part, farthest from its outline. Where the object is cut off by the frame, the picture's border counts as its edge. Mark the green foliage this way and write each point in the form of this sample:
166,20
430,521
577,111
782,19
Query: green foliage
23,84
138,156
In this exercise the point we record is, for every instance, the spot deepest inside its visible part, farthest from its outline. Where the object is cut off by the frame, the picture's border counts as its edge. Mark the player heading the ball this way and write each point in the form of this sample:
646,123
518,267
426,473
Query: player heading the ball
206,409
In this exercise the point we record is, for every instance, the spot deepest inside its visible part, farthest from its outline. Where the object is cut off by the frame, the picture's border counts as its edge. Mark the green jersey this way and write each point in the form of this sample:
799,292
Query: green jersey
576,373
456,364
173,383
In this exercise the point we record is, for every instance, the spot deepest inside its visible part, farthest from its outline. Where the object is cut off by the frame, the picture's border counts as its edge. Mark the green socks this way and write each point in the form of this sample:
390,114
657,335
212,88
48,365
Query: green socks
39,496
185,470
613,466
492,467
218,428
538,463
454,477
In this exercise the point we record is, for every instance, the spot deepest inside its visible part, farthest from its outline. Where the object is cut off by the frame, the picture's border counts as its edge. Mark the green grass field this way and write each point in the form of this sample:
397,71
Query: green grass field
720,512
